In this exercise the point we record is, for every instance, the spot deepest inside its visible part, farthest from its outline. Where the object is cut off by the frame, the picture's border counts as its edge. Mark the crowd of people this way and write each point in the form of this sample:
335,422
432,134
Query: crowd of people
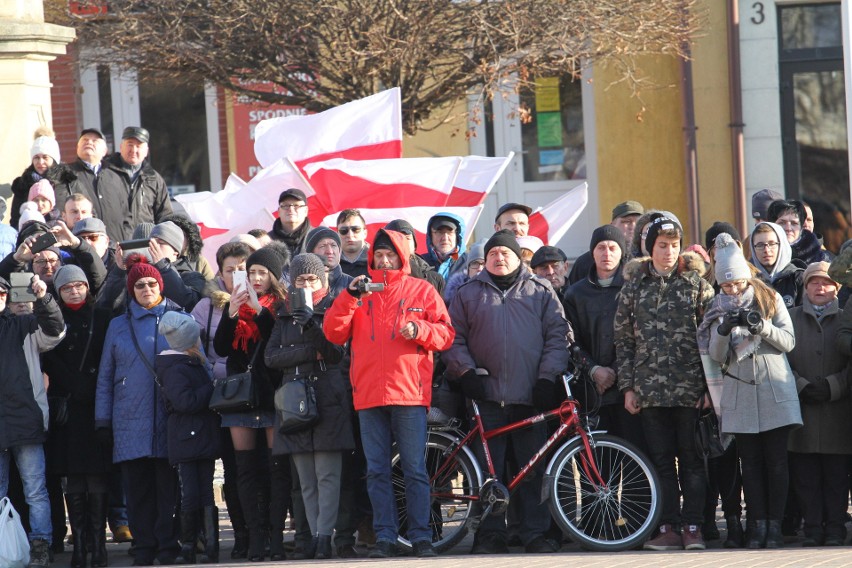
113,344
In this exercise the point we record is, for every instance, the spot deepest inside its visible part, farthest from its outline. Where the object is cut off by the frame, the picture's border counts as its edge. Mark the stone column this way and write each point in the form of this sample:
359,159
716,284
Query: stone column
27,44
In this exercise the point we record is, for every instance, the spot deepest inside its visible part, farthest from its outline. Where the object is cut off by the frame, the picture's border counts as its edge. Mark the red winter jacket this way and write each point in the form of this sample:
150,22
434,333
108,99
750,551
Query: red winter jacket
386,369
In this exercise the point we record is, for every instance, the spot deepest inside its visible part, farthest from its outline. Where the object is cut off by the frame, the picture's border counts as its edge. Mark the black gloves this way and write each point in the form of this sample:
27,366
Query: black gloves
817,391
729,322
544,395
756,328
473,385
104,436
303,316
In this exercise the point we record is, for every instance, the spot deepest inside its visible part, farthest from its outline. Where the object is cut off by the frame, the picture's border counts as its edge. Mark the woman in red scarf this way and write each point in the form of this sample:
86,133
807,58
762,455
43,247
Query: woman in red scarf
243,331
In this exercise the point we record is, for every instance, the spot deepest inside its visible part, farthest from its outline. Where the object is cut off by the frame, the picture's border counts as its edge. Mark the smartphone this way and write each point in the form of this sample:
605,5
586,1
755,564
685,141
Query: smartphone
43,241
240,279
22,287
301,298
135,244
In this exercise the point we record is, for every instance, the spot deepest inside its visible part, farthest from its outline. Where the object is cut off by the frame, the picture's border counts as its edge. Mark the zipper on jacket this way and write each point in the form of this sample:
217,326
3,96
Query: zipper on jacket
372,324
396,321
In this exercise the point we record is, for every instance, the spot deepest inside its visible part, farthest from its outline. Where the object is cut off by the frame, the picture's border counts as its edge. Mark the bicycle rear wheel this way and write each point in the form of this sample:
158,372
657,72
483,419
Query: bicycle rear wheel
618,515
452,510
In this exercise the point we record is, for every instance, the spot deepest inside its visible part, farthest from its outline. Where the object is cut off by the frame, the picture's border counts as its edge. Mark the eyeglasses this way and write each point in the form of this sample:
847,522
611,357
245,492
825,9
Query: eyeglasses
764,246
310,280
143,285
291,206
345,230
72,286
90,237
46,261
786,224
476,264
3,293
734,286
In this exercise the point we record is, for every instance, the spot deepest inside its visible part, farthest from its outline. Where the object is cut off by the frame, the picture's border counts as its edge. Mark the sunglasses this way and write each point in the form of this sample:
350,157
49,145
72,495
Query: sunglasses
345,230
143,285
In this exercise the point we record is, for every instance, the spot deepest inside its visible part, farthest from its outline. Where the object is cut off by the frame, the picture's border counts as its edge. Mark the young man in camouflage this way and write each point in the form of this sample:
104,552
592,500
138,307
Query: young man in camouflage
660,373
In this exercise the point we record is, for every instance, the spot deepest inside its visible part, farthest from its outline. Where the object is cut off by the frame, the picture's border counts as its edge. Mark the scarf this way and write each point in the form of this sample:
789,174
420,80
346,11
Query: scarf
743,343
247,331
505,282
157,302
318,295
75,307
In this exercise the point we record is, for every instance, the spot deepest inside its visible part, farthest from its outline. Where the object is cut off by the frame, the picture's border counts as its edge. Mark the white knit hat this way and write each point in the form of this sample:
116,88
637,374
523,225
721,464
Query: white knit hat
45,145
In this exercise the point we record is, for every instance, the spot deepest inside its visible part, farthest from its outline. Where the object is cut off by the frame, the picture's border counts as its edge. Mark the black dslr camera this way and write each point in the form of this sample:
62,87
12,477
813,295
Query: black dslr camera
748,318
366,285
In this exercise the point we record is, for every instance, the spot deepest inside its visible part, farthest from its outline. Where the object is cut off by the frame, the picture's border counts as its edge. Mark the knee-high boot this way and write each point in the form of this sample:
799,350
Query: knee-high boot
188,536
98,510
211,529
76,503
279,502
247,475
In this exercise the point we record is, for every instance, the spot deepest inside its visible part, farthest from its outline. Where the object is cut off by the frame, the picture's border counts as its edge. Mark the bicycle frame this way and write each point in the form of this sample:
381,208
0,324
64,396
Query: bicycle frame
569,423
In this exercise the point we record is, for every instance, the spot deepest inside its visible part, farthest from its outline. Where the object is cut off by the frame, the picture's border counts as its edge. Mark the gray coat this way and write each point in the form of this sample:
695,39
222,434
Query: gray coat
520,335
827,425
774,402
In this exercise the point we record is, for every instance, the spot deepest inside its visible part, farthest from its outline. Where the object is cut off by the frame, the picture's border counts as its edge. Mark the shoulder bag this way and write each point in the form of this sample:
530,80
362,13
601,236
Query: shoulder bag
235,393
296,403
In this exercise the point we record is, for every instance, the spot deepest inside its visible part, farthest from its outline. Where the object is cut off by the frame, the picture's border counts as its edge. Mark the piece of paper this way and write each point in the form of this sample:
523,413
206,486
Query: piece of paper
549,128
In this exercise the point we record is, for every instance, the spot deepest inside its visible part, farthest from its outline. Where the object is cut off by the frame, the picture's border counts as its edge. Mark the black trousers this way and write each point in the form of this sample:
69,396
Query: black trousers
151,501
196,484
765,476
821,484
725,481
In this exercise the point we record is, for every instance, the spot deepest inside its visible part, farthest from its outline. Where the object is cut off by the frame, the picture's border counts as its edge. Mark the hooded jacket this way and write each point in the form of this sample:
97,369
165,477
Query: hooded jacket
784,276
387,370
455,261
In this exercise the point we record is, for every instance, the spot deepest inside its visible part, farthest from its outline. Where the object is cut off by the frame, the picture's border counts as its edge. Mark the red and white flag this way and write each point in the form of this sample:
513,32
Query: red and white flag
216,237
476,179
366,129
370,184
418,217
551,222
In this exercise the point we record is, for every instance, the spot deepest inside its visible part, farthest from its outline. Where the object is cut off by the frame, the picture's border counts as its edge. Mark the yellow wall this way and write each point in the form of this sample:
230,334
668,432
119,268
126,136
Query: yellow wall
445,140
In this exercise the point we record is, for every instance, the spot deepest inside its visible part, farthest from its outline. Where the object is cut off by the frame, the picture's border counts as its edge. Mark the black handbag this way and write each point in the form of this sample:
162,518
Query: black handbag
708,440
235,393
58,409
296,404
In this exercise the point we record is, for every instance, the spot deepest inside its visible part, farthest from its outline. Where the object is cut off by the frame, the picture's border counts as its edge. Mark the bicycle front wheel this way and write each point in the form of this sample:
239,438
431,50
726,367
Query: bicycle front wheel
618,514
452,508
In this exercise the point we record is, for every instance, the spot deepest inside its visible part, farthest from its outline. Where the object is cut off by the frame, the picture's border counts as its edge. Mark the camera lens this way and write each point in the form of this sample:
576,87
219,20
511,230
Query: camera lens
753,318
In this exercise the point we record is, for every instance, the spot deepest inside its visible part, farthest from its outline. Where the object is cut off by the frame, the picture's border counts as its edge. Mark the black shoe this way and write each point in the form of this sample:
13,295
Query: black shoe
347,551
383,549
39,553
774,538
423,549
709,530
833,541
541,545
734,538
240,549
490,544
323,550
756,534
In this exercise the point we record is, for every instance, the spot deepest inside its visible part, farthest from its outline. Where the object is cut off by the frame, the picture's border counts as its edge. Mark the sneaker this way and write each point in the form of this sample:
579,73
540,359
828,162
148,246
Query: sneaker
366,534
383,549
122,534
692,538
423,549
347,551
541,545
489,544
668,539
39,553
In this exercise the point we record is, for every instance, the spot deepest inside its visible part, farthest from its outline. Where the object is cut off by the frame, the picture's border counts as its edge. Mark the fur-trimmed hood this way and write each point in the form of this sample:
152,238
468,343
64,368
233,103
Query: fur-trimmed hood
688,262
191,234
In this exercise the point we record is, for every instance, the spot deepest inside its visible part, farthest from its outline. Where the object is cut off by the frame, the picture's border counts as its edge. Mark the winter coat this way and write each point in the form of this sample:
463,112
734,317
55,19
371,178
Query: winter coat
424,271
207,314
23,404
266,380
193,429
655,333
57,175
128,399
773,402
181,284
827,426
388,370
292,347
519,336
785,276
807,249
580,268
338,281
295,241
590,309
457,260
358,266
72,368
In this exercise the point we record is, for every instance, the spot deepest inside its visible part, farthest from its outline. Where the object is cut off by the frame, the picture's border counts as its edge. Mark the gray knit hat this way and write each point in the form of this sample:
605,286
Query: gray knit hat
730,262
307,263
319,233
67,274
180,330
171,233
142,231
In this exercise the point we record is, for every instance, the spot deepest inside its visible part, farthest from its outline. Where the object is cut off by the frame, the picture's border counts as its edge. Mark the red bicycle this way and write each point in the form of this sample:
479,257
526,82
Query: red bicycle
601,490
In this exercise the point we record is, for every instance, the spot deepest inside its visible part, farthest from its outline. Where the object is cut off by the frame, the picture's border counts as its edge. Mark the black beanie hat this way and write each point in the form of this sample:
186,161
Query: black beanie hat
307,263
268,258
404,227
607,233
504,238
317,234
383,241
717,229
656,226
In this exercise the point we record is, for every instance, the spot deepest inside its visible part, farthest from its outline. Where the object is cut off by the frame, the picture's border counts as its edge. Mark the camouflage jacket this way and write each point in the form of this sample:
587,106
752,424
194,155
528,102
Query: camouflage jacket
655,325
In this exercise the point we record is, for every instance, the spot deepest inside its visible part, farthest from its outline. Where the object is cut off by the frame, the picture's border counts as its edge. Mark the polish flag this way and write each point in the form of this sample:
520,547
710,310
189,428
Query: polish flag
370,184
365,129
551,222
259,218
418,217
476,179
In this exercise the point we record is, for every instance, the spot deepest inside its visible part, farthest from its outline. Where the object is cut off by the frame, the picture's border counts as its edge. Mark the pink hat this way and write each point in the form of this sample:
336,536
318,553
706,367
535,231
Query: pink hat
42,188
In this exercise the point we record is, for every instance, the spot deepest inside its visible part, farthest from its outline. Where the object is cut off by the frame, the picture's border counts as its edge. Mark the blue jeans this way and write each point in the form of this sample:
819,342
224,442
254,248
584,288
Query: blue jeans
30,462
406,425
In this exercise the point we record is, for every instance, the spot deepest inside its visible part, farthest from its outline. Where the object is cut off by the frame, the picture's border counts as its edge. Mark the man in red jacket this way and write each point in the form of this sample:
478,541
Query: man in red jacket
393,333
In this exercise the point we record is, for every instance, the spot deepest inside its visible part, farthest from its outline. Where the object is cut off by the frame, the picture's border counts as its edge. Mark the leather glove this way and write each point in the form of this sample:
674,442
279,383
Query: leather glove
473,385
303,316
544,395
104,436
729,322
817,391
756,328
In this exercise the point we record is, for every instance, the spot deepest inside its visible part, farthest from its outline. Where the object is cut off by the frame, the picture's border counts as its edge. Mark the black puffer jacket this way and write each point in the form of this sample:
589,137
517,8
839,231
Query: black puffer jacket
293,346
59,175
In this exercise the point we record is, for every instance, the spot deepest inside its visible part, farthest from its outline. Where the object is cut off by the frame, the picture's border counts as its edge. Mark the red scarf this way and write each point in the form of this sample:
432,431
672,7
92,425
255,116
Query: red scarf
319,295
75,307
247,330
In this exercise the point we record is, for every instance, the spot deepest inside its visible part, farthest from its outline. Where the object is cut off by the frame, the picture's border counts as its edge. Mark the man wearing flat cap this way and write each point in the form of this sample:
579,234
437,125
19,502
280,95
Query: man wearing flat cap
292,225
514,217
